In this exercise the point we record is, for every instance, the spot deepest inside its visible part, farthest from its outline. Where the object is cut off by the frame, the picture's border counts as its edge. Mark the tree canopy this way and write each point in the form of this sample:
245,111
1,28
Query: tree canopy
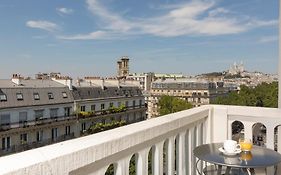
169,104
263,95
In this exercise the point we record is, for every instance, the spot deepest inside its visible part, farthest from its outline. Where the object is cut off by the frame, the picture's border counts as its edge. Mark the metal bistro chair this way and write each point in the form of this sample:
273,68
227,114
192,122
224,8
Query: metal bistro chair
213,170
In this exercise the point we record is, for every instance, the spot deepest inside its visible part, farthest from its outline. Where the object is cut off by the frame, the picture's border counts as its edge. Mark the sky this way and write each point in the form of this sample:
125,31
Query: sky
87,37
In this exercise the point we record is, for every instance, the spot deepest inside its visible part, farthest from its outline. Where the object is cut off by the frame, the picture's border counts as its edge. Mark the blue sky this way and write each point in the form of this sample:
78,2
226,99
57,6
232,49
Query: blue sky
86,37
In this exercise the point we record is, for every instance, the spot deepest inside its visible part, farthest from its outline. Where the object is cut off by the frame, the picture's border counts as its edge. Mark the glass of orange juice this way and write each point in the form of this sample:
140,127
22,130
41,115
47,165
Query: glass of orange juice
245,144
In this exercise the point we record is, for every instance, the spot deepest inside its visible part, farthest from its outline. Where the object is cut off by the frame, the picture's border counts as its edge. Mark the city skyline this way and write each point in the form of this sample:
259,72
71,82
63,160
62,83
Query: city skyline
88,37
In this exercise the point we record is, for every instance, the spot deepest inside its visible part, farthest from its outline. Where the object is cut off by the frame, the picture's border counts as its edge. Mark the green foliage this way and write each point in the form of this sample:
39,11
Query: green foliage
233,76
264,95
98,127
168,104
83,114
113,109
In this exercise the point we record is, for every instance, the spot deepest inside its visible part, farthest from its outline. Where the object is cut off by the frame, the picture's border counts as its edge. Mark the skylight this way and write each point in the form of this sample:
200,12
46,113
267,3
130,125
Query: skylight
19,96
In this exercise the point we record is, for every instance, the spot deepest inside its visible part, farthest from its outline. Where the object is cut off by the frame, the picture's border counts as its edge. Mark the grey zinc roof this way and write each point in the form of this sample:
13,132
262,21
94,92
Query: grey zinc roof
80,93
28,88
33,83
28,97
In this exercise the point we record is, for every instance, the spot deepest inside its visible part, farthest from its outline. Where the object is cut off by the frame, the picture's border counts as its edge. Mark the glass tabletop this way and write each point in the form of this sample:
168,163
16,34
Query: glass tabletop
259,156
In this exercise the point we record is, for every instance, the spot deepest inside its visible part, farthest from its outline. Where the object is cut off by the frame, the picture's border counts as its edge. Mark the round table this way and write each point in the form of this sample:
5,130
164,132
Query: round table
259,157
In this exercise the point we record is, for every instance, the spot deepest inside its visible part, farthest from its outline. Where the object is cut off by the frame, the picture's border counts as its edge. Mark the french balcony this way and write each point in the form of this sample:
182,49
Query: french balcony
169,140
39,122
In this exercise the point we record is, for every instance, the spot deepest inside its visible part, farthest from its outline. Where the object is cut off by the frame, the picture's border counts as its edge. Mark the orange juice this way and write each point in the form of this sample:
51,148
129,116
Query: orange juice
245,144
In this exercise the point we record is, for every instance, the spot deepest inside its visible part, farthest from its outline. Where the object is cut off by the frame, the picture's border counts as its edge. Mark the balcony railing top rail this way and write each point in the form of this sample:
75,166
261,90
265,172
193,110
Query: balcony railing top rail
65,157
93,154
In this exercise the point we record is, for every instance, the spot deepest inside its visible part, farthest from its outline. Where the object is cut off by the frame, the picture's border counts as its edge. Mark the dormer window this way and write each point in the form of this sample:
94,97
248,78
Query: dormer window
19,96
50,95
64,95
36,96
3,97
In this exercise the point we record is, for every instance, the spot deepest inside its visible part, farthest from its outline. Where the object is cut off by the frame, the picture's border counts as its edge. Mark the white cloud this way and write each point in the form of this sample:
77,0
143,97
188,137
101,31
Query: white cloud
113,21
218,11
64,10
90,36
195,18
268,39
44,25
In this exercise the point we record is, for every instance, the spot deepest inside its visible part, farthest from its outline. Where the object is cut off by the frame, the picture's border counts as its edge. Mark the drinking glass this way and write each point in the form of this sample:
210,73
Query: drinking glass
245,144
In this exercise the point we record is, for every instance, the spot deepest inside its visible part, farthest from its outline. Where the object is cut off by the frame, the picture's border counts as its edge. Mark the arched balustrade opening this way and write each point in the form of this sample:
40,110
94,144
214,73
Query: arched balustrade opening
151,155
110,170
133,165
259,134
237,129
177,154
165,157
277,142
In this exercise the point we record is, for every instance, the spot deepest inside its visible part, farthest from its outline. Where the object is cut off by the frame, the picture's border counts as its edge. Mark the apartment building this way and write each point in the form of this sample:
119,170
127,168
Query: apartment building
34,113
37,112
197,92
98,95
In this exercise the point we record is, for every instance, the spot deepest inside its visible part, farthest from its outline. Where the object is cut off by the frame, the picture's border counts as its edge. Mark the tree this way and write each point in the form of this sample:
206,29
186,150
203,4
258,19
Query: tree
168,104
263,95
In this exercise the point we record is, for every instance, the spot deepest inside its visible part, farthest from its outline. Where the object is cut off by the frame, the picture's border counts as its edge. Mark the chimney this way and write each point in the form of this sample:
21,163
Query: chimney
118,84
78,82
102,83
68,83
17,79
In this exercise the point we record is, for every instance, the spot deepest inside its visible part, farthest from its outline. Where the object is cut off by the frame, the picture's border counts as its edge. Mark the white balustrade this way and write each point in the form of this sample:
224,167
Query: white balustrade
176,133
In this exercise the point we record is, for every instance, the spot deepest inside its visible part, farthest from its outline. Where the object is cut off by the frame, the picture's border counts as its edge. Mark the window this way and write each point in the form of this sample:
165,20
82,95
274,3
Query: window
119,104
111,104
64,95
50,95
83,108
140,103
39,136
126,104
67,111
54,113
39,114
93,107
3,97
23,138
22,117
67,130
134,103
5,119
6,143
54,133
36,96
19,96
102,106
83,126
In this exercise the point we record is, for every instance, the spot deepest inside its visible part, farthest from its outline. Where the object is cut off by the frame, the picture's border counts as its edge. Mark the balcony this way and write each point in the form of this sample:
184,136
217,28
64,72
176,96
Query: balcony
33,124
39,122
174,135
